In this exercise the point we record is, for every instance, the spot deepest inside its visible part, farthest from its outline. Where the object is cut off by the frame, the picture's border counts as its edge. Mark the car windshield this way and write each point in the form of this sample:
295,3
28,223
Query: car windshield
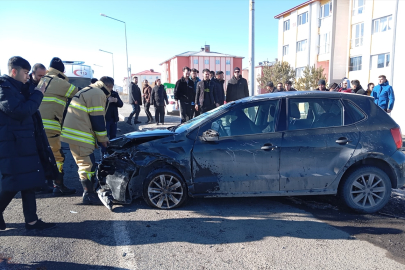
197,120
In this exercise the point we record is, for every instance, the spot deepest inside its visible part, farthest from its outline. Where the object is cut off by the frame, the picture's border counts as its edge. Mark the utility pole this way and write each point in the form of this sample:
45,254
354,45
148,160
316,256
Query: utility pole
252,46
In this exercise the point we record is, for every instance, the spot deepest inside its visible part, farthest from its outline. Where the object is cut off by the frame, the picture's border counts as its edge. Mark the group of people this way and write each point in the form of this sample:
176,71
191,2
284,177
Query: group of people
155,96
33,124
383,93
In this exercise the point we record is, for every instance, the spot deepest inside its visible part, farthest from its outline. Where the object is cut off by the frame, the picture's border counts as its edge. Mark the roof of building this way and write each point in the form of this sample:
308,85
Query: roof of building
201,53
294,8
147,72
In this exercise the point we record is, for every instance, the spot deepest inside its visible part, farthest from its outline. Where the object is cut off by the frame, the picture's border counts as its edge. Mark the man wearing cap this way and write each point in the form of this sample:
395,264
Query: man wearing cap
322,85
25,157
57,92
270,87
237,87
219,89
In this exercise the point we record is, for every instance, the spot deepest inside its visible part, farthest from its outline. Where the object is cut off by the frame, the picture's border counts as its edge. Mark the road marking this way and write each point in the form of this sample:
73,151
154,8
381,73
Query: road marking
125,253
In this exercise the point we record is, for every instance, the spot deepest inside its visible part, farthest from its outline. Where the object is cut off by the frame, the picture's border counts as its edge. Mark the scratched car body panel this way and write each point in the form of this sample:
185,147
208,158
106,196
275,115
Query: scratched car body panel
284,144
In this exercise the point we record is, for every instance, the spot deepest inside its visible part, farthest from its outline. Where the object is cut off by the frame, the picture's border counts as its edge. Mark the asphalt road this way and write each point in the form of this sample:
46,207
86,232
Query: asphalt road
232,233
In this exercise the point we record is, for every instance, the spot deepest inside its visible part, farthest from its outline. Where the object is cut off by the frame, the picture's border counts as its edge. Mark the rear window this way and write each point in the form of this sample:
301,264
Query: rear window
355,113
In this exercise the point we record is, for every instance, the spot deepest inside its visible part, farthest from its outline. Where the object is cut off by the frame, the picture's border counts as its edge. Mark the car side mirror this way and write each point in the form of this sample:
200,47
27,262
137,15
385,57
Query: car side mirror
210,136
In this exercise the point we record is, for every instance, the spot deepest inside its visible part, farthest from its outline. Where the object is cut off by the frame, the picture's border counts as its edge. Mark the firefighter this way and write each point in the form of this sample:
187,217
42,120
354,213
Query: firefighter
53,104
84,126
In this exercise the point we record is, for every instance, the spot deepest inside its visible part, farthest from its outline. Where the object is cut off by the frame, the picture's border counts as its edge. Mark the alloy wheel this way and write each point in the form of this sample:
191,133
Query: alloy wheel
368,190
165,191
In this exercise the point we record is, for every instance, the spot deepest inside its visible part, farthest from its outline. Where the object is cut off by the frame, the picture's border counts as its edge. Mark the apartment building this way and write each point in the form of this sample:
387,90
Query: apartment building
356,39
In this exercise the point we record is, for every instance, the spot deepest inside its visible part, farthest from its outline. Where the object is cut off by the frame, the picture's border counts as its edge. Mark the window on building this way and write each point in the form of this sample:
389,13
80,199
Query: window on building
286,25
301,45
303,18
217,62
382,24
285,49
358,7
207,62
324,43
355,63
299,72
357,35
380,61
228,62
195,61
326,10
227,72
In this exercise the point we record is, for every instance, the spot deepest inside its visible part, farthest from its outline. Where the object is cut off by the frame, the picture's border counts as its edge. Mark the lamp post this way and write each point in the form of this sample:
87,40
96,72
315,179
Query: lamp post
112,55
126,45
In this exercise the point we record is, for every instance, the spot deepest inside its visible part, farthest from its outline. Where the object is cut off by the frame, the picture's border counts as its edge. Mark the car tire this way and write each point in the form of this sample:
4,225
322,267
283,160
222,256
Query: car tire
360,195
165,189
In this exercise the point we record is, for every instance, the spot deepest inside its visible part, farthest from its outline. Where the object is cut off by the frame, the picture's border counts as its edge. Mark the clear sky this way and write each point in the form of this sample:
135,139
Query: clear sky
156,31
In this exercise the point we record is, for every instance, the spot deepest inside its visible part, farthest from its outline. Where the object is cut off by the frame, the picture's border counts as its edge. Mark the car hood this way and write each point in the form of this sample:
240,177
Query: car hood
138,137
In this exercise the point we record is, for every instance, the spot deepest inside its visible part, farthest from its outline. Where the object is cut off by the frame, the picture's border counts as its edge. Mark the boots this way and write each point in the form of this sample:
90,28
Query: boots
89,195
59,189
129,121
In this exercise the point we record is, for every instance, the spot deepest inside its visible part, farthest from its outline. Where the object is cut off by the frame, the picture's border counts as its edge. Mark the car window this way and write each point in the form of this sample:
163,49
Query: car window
356,114
314,113
258,117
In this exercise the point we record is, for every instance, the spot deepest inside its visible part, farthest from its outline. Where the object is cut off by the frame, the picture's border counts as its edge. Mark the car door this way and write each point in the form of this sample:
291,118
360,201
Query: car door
245,159
318,142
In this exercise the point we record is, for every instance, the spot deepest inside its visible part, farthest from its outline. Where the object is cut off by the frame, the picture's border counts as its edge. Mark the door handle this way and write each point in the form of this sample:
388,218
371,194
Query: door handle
342,140
268,146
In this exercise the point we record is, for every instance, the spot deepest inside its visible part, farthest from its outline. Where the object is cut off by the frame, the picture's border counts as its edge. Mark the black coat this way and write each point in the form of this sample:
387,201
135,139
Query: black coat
199,98
220,92
112,111
26,159
360,91
184,91
158,96
135,94
236,89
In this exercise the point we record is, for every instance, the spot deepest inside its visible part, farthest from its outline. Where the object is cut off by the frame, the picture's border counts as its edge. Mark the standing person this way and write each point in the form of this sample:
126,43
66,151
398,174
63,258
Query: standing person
147,90
25,158
219,89
270,87
158,99
237,87
111,116
184,94
195,79
345,86
205,98
280,87
334,87
370,87
52,107
383,94
135,99
288,86
212,75
322,85
357,88
84,127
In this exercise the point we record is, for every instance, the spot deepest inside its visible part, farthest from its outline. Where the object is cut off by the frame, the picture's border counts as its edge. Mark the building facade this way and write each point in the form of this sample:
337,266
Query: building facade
149,75
356,39
172,69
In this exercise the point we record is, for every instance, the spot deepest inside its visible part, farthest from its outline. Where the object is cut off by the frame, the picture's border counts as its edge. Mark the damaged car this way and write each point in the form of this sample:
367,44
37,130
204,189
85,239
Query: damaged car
281,144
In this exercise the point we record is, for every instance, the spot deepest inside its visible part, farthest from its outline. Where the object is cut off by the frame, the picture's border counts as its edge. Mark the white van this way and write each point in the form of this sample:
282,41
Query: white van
79,74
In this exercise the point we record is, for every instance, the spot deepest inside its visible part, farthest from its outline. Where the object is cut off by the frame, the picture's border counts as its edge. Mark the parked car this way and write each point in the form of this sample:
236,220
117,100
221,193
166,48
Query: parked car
171,107
280,144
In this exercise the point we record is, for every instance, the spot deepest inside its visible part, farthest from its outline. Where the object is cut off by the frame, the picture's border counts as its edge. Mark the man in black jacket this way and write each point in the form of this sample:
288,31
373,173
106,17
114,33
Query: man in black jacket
135,99
184,93
237,87
111,116
25,156
357,88
219,90
205,98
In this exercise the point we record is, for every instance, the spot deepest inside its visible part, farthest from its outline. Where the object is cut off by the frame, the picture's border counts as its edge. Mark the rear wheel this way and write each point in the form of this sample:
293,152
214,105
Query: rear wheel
165,189
366,190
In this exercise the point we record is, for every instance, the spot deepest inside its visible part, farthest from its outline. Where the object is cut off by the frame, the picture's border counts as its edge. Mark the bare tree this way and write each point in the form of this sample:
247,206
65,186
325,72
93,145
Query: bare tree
279,72
310,78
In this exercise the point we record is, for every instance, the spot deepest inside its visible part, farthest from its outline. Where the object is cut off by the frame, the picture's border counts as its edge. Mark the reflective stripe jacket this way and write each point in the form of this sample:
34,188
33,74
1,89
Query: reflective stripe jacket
85,120
53,104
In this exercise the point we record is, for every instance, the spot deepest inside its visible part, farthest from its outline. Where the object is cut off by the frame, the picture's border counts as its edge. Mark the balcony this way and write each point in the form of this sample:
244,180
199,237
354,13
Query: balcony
357,42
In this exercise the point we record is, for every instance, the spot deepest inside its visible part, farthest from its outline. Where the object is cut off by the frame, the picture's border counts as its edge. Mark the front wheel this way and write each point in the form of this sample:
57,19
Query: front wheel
366,190
165,189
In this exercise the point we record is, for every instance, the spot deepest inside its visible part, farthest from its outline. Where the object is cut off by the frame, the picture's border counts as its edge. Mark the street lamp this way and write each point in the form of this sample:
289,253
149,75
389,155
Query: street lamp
126,45
112,60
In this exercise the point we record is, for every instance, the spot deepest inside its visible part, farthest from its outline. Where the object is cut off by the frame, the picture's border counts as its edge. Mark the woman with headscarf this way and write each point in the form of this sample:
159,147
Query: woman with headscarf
158,99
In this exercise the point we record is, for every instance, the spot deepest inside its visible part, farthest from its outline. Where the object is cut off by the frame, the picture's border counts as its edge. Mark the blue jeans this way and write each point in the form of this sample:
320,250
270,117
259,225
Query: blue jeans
136,109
